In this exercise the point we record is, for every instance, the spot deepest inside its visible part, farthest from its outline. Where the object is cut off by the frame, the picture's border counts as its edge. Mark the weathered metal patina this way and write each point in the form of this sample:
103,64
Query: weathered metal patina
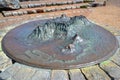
60,43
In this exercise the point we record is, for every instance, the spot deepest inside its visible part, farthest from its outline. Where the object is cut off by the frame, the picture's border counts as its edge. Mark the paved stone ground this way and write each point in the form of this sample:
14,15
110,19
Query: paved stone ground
107,70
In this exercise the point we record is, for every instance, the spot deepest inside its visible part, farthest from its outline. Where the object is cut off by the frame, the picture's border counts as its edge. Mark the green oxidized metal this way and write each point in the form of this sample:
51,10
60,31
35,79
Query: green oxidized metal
60,43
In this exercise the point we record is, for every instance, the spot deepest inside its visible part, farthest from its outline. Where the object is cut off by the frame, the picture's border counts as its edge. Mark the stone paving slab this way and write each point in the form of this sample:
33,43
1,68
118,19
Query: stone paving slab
4,63
76,74
111,68
22,72
41,74
59,75
95,73
4,60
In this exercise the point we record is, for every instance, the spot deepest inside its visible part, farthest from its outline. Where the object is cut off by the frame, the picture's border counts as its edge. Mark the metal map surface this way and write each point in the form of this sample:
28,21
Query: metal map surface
60,43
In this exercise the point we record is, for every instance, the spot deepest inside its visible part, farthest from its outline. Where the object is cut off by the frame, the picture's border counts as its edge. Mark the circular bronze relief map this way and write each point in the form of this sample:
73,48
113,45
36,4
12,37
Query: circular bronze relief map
60,43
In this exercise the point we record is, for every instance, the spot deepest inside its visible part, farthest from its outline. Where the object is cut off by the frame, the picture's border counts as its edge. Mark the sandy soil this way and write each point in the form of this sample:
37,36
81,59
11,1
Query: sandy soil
108,15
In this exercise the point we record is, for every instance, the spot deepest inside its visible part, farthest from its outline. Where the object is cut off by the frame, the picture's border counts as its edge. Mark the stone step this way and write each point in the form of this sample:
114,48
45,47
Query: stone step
32,4
43,9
